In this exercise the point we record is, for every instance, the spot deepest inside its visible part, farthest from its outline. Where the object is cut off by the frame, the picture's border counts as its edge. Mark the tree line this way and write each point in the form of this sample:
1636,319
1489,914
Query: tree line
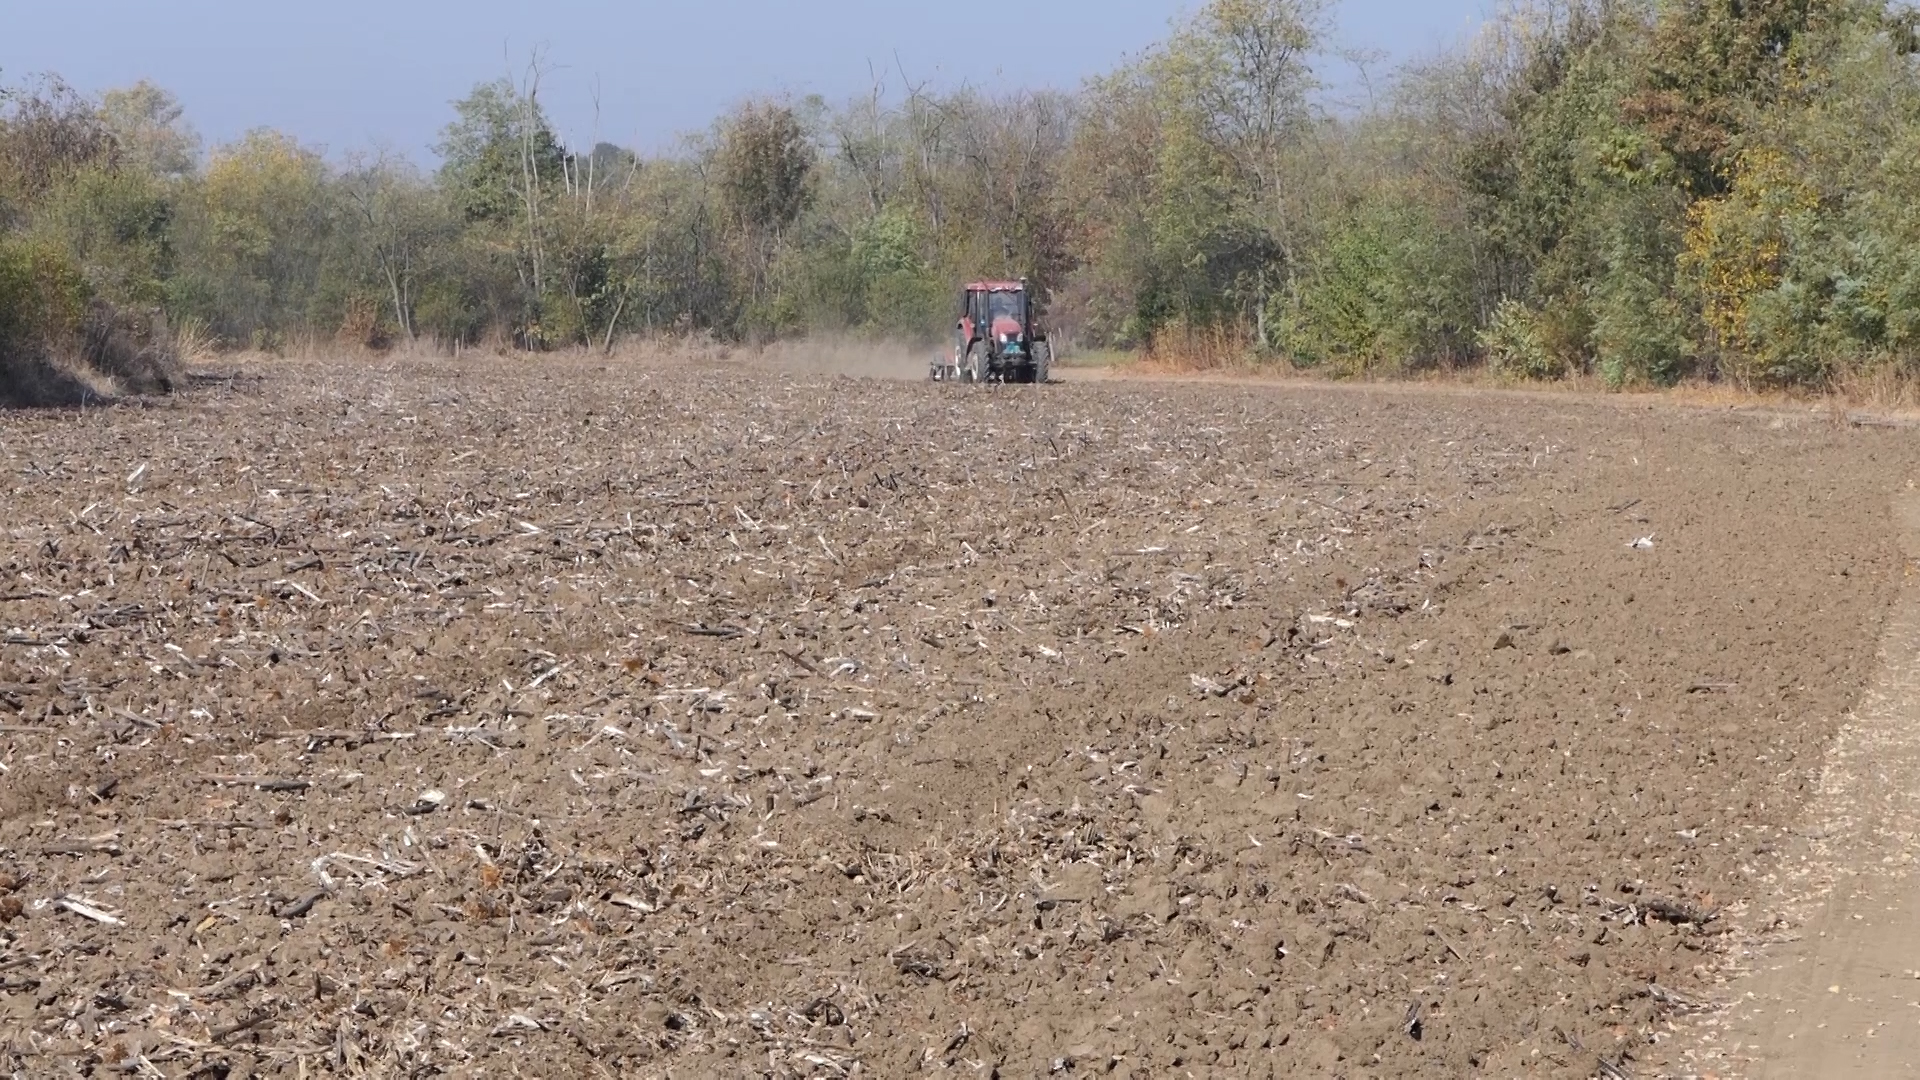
1637,190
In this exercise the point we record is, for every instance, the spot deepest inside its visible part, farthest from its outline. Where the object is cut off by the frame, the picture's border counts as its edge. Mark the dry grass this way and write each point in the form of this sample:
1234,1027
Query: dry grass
195,342
1214,348
1882,395
1882,390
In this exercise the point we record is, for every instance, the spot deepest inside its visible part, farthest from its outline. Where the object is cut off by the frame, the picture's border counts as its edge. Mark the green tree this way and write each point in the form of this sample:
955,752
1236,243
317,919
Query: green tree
117,226
1245,67
149,131
499,155
763,161
47,134
1385,288
256,239
899,294
399,228
1711,66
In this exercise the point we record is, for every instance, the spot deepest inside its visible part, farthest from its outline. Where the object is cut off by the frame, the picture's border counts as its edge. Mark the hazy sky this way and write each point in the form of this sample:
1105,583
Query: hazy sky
346,74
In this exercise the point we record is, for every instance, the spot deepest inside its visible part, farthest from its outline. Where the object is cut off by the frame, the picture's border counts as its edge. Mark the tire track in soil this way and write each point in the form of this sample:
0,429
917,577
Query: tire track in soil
1841,997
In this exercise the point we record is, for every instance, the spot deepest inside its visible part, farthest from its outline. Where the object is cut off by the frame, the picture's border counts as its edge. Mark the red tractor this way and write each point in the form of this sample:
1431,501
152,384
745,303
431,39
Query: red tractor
997,338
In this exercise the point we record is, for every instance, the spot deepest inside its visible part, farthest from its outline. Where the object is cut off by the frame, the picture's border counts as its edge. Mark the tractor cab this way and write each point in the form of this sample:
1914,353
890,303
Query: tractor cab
1002,309
995,339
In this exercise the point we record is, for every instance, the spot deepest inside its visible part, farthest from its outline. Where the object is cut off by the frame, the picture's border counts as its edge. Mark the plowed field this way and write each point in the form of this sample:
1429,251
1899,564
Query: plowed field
564,719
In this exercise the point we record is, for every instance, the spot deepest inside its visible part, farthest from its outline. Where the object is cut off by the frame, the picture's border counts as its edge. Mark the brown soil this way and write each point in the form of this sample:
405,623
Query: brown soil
564,719
1835,990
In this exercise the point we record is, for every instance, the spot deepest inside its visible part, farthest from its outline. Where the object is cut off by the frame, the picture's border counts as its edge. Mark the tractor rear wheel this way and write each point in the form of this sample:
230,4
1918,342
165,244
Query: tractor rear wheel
1042,361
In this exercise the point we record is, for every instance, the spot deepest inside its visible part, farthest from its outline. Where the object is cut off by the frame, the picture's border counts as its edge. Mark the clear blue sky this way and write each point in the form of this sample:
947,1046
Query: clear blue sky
347,74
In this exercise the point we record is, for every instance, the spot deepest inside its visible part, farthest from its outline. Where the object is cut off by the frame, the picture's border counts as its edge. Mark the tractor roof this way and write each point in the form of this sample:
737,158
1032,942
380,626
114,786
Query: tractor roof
996,286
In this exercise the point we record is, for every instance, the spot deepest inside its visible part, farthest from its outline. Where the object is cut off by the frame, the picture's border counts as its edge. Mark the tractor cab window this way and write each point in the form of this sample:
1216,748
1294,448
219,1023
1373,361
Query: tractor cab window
1007,305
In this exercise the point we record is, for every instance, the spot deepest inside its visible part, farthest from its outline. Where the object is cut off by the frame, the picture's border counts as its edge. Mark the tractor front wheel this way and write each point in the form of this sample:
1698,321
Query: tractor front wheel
1042,361
977,365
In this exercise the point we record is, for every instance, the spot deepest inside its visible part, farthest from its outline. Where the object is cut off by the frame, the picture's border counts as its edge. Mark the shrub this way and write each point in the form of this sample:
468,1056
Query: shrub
43,296
1516,345
361,328
445,312
1386,290
1639,333
117,225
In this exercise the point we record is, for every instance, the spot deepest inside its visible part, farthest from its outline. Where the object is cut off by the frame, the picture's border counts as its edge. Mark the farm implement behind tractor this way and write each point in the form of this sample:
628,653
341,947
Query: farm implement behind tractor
997,338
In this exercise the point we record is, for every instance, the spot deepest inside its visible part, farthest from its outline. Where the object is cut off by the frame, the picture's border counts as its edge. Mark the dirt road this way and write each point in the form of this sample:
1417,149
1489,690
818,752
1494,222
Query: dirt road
572,719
